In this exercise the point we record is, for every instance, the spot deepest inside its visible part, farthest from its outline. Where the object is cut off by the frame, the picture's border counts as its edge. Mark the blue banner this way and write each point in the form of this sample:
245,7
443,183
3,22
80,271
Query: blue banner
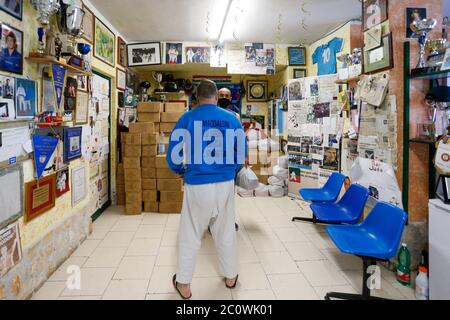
59,80
44,147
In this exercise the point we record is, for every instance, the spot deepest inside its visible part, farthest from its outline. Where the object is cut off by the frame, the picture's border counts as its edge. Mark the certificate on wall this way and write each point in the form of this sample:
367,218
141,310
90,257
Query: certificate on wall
10,249
40,197
82,107
72,143
11,194
78,185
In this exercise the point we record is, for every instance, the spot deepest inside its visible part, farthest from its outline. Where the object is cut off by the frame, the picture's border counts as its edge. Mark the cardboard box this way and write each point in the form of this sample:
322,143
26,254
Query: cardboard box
132,151
157,127
169,184
152,207
133,208
133,185
163,173
150,138
263,179
148,184
120,179
174,107
169,196
148,173
120,169
146,107
131,138
161,162
170,207
133,174
150,196
148,162
166,127
121,199
120,188
171,116
133,197
149,151
131,163
142,127
149,118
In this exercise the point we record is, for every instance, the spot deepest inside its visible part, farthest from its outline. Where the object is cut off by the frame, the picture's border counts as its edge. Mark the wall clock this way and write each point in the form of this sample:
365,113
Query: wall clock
257,91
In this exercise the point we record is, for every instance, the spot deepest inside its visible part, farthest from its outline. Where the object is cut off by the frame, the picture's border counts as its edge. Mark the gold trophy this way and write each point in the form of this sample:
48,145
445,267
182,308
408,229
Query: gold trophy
437,49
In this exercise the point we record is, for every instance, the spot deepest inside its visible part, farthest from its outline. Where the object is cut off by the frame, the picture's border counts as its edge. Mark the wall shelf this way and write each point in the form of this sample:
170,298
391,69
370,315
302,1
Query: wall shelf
49,61
431,75
349,80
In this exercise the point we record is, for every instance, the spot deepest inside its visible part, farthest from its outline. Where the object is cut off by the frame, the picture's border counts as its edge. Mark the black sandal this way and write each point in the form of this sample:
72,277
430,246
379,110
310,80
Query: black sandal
235,283
175,284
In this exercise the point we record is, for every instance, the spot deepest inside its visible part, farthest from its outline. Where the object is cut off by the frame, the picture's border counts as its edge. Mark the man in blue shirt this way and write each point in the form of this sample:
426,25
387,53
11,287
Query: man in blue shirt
325,56
207,147
11,59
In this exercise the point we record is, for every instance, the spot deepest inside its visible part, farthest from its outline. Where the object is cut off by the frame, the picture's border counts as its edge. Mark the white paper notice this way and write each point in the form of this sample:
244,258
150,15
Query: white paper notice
13,141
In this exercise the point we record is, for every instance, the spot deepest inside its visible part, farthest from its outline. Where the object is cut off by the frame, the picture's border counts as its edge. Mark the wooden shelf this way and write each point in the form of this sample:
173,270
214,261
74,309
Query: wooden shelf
180,92
422,141
49,61
431,75
349,80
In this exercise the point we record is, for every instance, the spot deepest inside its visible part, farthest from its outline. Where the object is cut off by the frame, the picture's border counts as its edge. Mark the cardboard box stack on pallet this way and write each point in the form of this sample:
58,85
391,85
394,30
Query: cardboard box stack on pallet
120,178
131,155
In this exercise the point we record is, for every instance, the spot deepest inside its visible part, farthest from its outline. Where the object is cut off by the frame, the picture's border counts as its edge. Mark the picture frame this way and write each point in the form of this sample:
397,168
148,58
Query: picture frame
14,62
26,98
198,54
257,90
144,54
10,247
82,83
72,143
446,62
121,79
62,182
11,188
173,53
14,8
300,73
70,97
381,58
88,25
79,191
374,12
40,196
121,52
413,14
7,98
82,108
48,97
297,56
104,43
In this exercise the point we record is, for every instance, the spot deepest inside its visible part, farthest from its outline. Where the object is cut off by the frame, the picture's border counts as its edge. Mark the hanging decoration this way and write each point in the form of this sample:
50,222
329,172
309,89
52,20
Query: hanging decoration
44,147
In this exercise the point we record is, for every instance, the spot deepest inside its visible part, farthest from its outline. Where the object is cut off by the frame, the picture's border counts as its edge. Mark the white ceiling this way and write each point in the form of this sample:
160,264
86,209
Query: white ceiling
249,20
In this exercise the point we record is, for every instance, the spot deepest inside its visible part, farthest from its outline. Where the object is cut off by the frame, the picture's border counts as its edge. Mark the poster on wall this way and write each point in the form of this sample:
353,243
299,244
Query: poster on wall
252,58
218,58
62,182
10,248
15,143
25,98
78,185
173,52
7,94
11,194
72,143
40,196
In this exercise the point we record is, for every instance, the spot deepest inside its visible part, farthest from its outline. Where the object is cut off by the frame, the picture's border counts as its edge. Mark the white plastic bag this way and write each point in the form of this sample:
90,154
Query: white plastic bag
263,145
275,181
245,193
280,173
247,179
253,144
253,135
262,191
274,146
276,191
283,162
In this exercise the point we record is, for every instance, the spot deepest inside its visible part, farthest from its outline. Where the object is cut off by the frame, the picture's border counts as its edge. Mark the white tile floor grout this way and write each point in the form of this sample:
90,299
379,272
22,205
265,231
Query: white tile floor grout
134,257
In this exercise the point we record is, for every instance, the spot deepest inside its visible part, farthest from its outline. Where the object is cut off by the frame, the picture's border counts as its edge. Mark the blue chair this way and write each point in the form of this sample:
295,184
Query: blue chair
376,239
348,210
329,193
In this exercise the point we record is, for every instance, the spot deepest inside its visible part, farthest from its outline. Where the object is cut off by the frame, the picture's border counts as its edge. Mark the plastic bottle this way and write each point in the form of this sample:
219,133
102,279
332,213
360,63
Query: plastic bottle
422,284
161,146
404,266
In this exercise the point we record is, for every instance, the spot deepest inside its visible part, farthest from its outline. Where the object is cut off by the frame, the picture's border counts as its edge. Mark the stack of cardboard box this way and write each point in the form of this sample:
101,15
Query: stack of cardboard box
170,187
149,191
262,164
131,155
120,178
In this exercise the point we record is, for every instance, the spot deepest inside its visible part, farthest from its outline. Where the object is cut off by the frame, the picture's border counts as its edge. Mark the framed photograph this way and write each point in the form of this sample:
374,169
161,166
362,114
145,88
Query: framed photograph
7,94
372,37
105,43
72,143
40,197
257,91
121,79
70,97
297,56
300,73
11,194
11,54
88,24
48,93
13,8
381,58
62,182
25,98
78,184
144,54
82,108
198,54
446,62
121,52
173,52
374,12
10,248
82,83
414,14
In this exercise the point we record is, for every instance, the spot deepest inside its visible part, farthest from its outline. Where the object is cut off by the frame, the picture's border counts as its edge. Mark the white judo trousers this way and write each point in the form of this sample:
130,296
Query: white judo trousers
208,205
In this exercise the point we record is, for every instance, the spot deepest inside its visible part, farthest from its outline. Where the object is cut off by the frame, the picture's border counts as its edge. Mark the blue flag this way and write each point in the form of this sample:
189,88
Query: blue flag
59,79
44,147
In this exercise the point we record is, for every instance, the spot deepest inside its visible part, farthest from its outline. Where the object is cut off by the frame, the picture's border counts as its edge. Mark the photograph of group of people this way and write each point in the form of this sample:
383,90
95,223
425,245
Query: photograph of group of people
197,54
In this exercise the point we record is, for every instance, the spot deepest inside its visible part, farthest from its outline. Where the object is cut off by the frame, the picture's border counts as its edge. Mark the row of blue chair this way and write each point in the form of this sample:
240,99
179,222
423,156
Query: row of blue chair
377,238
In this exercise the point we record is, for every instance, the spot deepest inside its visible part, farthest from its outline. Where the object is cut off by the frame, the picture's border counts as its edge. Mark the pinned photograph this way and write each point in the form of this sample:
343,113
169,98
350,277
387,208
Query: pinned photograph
174,52
330,160
25,98
295,92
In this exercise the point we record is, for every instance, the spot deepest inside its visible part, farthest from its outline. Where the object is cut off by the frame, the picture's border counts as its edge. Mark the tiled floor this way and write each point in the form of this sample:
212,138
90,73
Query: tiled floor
134,257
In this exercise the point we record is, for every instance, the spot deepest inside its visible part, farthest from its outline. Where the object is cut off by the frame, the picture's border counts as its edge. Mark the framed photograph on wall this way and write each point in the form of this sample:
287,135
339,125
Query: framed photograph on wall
72,143
62,182
82,83
121,52
105,43
198,54
11,54
11,194
82,108
40,197
381,58
374,13
144,54
300,73
257,91
414,14
88,24
78,184
173,52
13,8
25,98
7,98
70,98
121,79
297,56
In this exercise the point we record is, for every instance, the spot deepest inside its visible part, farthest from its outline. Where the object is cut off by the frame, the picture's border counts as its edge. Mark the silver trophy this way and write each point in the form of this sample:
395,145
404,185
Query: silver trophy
345,59
158,76
46,9
421,28
71,22
356,56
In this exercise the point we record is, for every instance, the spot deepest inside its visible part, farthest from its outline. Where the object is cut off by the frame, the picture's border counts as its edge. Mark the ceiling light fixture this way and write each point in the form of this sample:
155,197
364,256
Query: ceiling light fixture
224,22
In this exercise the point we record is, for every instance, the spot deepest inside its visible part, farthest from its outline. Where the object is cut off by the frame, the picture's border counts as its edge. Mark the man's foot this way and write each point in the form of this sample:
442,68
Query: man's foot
231,283
184,290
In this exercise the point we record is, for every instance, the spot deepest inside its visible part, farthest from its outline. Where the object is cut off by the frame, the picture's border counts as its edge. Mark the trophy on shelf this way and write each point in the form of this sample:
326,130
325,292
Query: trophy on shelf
421,28
437,52
158,76
84,49
145,85
71,23
46,9
355,58
345,59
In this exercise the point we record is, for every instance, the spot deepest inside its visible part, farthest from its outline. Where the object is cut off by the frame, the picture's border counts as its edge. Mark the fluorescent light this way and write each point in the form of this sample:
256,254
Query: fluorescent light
224,22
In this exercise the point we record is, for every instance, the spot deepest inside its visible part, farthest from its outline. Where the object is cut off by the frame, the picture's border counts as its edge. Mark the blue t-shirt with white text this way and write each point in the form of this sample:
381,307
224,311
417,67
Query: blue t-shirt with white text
325,56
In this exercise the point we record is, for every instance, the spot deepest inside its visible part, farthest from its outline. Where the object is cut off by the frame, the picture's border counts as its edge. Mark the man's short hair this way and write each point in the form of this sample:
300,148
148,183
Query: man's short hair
207,89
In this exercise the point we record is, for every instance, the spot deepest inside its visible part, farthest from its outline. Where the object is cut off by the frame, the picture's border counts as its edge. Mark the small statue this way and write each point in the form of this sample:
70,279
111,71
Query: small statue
50,42
58,47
